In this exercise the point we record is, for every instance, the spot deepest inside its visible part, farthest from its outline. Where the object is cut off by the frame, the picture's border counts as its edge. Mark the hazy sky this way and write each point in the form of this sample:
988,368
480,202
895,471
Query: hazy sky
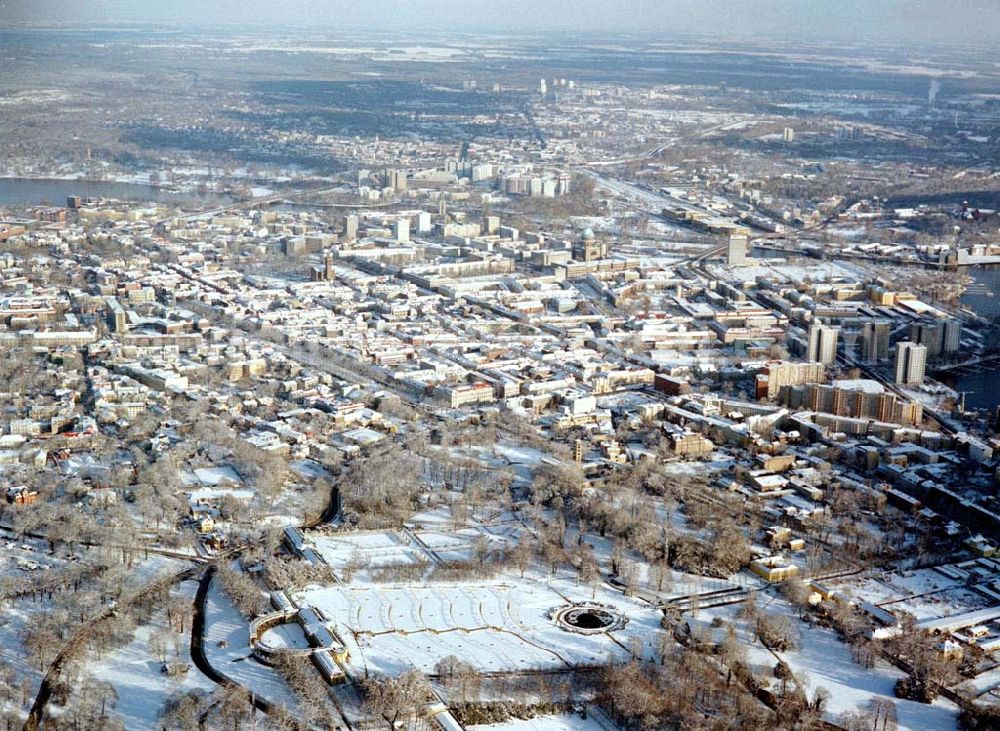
923,20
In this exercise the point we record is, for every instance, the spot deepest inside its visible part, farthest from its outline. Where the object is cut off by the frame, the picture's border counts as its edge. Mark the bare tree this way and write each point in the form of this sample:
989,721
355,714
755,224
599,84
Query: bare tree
395,698
234,706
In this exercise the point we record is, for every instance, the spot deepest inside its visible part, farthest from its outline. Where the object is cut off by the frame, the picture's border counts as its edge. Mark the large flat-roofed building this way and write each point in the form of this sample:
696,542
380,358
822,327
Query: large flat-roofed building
862,403
475,393
690,444
778,374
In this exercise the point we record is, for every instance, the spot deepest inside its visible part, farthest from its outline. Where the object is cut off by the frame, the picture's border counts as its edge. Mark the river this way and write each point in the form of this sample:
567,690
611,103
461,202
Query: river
978,297
982,389
16,192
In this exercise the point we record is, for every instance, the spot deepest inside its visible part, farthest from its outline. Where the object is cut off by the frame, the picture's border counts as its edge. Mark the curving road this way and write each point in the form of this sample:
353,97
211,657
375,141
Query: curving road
331,513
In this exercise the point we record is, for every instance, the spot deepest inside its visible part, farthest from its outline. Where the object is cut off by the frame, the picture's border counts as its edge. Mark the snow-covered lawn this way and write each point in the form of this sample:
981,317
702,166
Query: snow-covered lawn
218,476
827,663
20,559
224,624
137,675
562,722
15,618
374,549
285,635
377,549
925,593
459,545
433,517
151,568
17,615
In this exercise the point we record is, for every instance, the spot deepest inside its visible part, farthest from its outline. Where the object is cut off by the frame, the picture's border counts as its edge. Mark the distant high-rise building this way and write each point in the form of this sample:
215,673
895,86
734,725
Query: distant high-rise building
396,180
875,341
736,253
422,222
293,245
788,135
402,230
517,184
952,336
939,337
543,87
930,335
481,172
324,273
117,316
911,363
351,228
847,133
822,343
853,403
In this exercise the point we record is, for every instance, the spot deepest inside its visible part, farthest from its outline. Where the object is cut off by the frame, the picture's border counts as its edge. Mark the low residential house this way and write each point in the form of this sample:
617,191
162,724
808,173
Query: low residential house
21,495
774,568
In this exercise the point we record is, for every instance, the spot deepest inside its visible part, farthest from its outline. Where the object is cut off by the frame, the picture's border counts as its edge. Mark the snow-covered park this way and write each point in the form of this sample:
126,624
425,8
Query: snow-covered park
495,625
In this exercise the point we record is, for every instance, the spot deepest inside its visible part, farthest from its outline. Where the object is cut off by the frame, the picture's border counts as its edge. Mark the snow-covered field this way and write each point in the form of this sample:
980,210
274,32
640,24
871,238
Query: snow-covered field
788,272
374,550
216,476
383,548
137,675
227,647
285,635
827,663
924,593
152,568
562,722
19,559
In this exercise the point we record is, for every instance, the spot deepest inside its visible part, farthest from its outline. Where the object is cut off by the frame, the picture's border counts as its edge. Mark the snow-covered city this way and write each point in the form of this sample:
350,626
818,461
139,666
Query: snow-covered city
470,365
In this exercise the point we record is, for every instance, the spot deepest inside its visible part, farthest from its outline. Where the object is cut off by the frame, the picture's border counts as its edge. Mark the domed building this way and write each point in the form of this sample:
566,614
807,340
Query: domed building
589,248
